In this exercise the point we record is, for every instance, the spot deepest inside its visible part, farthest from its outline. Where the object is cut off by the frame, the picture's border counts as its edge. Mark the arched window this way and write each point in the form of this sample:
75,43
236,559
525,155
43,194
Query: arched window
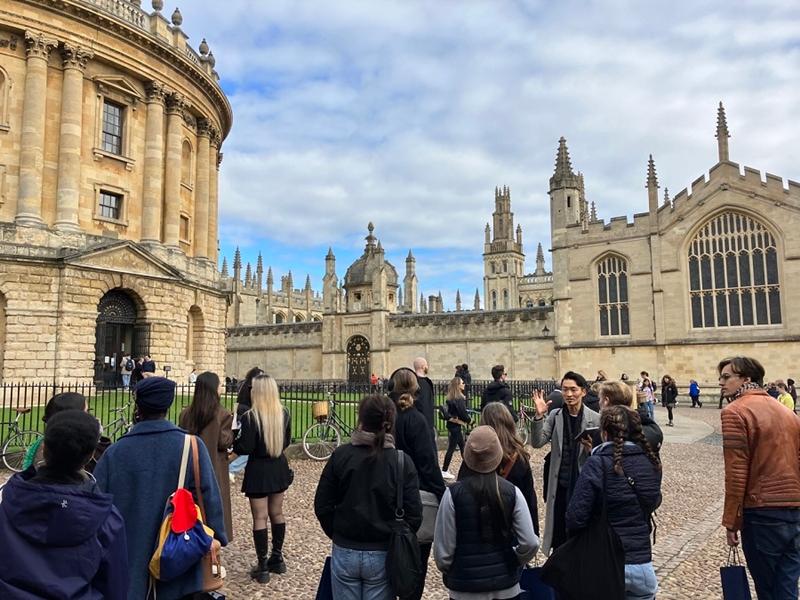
5,87
298,318
505,299
505,266
279,318
612,296
529,303
494,268
733,273
494,300
186,164
194,334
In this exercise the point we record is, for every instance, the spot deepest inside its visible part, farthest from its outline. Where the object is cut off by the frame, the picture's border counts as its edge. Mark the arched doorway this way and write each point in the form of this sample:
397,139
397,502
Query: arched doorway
118,332
358,359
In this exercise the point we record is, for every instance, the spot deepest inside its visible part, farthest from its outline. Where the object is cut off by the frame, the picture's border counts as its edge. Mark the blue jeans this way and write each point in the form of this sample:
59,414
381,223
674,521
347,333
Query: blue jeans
640,582
649,407
126,380
359,574
771,544
238,464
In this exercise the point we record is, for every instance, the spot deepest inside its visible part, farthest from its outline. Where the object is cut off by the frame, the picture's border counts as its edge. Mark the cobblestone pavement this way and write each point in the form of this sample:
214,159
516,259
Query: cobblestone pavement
689,550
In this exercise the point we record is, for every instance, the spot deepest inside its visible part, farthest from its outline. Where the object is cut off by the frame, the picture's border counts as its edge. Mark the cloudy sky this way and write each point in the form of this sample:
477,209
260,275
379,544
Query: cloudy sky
408,114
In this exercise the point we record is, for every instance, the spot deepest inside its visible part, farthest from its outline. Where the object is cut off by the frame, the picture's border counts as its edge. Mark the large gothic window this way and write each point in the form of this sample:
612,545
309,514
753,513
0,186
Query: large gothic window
612,296
733,274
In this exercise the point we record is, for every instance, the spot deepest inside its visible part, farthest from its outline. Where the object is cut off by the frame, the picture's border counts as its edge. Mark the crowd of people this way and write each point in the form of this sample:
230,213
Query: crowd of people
84,517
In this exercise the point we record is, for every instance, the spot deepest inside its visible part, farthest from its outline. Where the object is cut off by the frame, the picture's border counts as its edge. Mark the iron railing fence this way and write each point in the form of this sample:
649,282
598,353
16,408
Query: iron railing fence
114,406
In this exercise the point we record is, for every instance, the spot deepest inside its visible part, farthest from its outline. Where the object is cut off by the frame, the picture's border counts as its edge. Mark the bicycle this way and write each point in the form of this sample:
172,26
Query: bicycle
119,426
523,424
16,446
324,436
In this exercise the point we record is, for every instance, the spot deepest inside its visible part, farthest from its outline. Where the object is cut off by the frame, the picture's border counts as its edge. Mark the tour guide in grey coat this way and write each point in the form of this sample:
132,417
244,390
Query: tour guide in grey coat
560,429
141,471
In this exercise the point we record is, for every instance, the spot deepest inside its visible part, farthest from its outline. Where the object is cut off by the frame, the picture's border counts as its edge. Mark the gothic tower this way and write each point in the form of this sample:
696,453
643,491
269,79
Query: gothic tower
410,284
565,191
503,259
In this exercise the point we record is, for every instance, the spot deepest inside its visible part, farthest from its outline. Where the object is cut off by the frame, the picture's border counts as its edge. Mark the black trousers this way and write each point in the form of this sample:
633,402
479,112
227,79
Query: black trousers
669,412
455,437
560,517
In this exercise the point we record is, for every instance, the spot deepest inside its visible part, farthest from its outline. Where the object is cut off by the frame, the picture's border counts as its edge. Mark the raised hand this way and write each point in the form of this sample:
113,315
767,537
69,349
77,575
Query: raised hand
539,403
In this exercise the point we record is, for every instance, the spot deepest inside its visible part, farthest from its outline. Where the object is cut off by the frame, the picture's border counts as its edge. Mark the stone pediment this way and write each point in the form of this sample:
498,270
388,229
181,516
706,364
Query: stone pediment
123,257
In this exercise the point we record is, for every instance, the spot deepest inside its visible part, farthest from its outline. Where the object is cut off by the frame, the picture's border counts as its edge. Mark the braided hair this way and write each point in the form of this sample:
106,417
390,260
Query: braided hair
376,414
621,424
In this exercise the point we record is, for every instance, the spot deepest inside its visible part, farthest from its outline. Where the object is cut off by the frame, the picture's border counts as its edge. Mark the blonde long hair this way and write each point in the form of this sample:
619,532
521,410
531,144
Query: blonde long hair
454,389
267,413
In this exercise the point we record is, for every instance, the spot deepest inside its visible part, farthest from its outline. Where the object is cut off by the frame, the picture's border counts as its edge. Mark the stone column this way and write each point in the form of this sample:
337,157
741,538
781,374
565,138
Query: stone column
172,178
201,190
153,163
31,156
215,158
69,141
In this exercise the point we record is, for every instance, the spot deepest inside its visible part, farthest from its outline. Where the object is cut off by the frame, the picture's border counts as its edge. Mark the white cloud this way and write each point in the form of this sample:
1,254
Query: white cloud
408,113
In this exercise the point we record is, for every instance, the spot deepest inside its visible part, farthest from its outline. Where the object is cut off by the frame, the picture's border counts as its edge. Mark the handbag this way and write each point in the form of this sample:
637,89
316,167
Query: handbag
591,564
430,507
403,564
532,586
325,587
211,564
734,578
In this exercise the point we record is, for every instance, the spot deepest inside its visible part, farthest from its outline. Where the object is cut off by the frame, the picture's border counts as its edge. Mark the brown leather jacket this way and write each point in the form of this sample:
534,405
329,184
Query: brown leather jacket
761,446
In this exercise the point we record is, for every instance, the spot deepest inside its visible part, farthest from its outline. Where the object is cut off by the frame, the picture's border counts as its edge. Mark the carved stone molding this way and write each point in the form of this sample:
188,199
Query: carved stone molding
155,91
214,136
75,57
37,45
203,127
175,103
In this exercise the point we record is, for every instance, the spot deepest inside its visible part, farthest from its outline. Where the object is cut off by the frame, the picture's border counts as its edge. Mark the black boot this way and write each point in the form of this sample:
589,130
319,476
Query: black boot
276,563
261,541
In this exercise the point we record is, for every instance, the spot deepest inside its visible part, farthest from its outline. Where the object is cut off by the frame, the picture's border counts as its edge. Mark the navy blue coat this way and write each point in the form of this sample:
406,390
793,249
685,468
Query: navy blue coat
60,541
141,471
625,512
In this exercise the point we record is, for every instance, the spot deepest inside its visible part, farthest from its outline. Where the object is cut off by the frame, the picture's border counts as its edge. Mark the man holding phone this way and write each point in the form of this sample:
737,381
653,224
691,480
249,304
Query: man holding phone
569,431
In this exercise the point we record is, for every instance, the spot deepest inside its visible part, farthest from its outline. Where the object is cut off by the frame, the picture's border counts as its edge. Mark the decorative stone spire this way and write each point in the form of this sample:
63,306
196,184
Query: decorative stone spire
379,247
248,276
487,234
722,134
270,279
259,264
224,271
237,264
667,201
423,305
458,300
370,238
539,261
519,234
652,179
158,5
593,212
203,47
439,302
563,176
308,283
177,17
330,255
477,304
399,296
290,282
652,191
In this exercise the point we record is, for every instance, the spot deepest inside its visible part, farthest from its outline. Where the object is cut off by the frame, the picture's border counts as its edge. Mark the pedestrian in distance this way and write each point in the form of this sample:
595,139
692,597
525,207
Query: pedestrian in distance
264,435
785,397
499,391
564,429
669,396
761,446
61,535
515,466
207,418
412,436
355,502
140,470
484,533
458,417
619,393
792,390
694,393
127,370
647,386
627,473
425,394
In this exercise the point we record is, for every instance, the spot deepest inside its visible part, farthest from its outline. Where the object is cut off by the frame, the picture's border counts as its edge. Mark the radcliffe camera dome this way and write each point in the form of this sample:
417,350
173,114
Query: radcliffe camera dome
362,270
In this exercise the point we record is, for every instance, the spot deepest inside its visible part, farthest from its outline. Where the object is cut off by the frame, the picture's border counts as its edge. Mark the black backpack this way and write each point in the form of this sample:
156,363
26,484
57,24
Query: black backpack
129,365
403,564
444,412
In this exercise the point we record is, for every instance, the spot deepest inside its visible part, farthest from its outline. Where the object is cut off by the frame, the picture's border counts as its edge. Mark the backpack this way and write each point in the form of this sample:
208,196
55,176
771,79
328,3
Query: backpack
129,365
403,565
183,538
444,412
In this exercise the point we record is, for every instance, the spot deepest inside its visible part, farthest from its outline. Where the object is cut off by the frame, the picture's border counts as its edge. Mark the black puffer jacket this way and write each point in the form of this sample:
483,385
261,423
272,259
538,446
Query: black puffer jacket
627,514
498,391
651,430
413,436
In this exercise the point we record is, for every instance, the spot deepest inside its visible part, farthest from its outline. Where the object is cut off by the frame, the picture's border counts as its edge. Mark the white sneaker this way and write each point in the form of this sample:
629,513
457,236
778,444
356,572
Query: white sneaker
232,477
447,475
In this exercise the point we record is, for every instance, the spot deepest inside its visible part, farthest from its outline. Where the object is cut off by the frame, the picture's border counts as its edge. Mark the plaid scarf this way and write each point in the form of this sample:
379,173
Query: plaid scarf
750,385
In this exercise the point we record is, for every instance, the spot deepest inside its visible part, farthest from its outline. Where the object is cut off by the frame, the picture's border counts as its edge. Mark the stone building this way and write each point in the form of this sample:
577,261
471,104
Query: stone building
110,134
705,274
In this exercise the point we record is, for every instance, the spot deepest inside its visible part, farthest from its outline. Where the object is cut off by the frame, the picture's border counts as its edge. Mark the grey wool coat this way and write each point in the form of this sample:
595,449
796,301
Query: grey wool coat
551,429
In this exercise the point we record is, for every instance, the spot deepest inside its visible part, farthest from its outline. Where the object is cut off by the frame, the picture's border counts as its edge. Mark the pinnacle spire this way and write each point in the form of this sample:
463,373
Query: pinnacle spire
722,134
224,271
308,282
410,257
329,255
269,276
666,196
259,264
593,212
248,274
539,260
237,259
652,179
563,174
477,304
370,238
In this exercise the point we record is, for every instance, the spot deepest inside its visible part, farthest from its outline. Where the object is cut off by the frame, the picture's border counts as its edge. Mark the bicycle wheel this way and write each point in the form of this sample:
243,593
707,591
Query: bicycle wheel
15,448
320,440
522,430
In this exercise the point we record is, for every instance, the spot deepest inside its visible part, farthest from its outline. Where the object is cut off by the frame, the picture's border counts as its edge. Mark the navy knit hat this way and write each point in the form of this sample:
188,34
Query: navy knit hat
155,394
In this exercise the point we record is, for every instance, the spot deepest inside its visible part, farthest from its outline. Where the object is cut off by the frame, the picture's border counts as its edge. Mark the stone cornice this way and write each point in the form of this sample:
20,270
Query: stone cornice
135,33
75,57
38,45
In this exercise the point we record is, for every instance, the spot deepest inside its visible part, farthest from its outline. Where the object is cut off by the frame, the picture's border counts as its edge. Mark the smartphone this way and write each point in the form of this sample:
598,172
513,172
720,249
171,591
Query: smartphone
592,433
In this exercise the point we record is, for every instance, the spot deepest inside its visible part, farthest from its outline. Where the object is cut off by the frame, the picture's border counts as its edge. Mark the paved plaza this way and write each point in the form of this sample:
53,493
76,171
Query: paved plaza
689,550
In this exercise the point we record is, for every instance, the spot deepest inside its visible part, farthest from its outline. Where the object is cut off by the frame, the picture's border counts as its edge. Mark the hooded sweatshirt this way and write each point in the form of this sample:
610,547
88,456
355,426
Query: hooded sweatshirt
498,391
60,541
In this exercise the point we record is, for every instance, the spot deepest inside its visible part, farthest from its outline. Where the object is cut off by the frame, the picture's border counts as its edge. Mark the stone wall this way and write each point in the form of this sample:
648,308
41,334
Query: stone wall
286,351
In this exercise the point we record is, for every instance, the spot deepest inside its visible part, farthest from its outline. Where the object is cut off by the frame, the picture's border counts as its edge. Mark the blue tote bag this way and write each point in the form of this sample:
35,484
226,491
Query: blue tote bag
533,588
734,578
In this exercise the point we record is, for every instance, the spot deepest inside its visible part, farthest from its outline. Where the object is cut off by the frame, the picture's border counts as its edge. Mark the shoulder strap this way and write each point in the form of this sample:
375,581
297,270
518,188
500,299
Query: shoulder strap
509,465
648,516
399,498
184,462
198,485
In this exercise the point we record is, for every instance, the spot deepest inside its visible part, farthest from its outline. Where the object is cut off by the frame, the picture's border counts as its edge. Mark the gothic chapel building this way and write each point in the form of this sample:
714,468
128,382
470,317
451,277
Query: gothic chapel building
708,273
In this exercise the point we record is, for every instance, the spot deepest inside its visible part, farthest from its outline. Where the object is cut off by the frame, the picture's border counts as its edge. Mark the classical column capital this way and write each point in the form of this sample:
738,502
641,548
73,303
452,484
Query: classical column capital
175,103
204,127
214,136
156,91
75,57
37,45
